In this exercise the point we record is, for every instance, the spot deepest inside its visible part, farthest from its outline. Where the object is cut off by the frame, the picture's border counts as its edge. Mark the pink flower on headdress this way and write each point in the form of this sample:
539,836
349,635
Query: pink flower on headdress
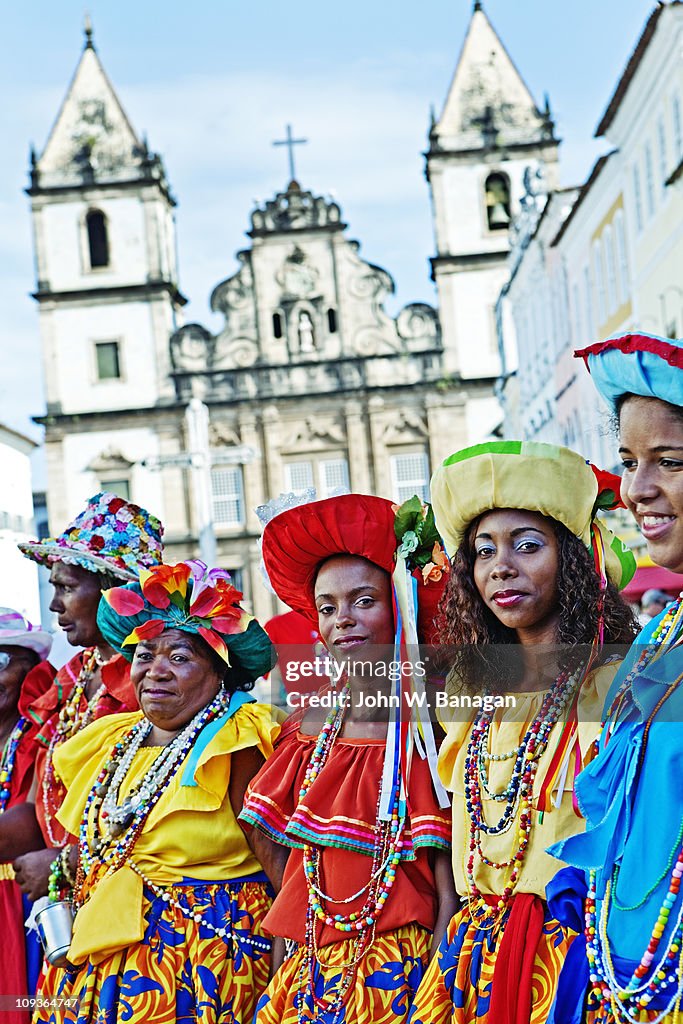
98,520
215,598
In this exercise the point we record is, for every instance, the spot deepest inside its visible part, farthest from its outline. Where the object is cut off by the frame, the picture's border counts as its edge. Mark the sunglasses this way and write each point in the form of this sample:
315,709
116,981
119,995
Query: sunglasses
6,659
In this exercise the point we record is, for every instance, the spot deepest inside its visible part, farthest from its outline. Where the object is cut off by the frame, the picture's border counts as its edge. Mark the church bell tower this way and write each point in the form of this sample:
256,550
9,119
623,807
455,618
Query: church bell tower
107,292
490,132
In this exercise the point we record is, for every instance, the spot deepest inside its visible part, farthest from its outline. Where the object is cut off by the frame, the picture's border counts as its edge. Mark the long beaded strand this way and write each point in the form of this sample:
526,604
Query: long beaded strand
647,981
361,923
113,841
70,722
517,794
7,762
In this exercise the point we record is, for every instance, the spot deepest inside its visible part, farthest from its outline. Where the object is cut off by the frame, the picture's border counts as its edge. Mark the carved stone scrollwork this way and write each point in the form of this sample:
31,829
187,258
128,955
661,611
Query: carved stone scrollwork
297,277
108,460
407,426
192,349
241,352
295,210
236,292
313,433
418,325
223,435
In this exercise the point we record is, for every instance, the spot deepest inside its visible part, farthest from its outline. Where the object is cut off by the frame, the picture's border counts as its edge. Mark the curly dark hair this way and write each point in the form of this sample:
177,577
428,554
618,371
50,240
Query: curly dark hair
476,638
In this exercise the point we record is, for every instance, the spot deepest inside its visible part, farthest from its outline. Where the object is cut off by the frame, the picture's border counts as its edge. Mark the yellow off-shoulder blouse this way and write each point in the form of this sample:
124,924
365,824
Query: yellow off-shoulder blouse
192,831
507,730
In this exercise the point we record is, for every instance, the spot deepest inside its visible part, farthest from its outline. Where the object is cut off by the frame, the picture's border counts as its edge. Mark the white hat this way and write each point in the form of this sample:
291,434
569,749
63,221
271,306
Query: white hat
16,631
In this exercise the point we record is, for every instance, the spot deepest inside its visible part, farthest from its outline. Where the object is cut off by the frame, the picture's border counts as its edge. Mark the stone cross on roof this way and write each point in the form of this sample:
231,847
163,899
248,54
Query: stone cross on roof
290,143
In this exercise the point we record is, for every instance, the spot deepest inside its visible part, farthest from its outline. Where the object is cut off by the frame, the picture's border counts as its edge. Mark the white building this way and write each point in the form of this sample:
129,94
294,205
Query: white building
613,262
490,136
18,576
309,381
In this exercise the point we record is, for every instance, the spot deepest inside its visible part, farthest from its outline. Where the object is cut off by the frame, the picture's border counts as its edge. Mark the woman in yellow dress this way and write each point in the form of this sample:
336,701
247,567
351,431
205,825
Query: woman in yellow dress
169,897
530,606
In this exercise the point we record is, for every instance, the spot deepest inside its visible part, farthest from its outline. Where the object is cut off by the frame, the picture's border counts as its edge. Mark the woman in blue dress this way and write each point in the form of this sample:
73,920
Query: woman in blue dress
630,966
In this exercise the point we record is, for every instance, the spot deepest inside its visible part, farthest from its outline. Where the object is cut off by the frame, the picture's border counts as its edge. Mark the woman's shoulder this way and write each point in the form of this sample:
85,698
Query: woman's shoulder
92,745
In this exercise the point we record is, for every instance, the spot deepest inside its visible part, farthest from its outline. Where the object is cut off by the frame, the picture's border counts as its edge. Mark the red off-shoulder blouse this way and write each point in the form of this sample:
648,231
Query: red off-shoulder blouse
338,814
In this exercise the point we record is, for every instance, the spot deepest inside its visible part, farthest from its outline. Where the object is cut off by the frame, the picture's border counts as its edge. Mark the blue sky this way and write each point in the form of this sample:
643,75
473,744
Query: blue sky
214,83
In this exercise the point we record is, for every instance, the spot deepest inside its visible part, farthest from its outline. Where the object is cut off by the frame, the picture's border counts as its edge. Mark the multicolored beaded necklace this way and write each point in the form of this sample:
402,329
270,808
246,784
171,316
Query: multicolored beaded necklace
109,830
8,759
517,794
70,721
358,925
658,975
665,632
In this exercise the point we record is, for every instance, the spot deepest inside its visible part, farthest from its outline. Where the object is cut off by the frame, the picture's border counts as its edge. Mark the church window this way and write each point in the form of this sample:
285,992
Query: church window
497,189
588,299
661,143
237,578
227,495
298,476
637,197
649,180
678,127
576,302
332,321
108,360
120,487
599,278
610,260
334,477
410,475
622,257
98,242
277,325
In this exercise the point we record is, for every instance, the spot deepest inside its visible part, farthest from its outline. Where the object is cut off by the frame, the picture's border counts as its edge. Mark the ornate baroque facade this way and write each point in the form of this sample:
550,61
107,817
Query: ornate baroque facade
309,382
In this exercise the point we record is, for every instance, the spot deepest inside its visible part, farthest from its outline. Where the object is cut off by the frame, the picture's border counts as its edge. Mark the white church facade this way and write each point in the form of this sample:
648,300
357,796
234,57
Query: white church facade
309,382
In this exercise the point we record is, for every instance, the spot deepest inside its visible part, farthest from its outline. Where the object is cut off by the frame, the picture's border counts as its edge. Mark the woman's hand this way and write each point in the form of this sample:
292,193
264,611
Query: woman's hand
32,871
243,767
448,901
19,831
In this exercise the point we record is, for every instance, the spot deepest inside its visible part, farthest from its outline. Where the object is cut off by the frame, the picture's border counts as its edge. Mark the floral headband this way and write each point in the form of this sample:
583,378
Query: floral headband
190,597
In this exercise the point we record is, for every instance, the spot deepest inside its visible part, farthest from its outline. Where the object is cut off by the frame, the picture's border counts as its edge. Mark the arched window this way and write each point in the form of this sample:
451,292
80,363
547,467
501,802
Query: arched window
98,242
277,325
332,321
497,189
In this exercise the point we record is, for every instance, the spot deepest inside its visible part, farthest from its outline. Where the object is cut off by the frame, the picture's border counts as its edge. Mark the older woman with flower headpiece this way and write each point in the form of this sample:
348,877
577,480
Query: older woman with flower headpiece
169,897
530,607
348,797
631,854
108,542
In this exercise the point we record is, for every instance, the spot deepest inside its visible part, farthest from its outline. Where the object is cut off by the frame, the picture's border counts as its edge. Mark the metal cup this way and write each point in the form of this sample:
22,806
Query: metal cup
55,924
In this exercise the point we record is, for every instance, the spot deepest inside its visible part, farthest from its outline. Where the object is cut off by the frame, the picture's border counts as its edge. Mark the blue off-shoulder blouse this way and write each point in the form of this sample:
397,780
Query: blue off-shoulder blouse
634,816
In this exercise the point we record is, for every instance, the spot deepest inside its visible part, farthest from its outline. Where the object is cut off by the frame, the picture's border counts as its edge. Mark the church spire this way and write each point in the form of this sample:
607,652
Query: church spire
92,138
88,32
488,102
